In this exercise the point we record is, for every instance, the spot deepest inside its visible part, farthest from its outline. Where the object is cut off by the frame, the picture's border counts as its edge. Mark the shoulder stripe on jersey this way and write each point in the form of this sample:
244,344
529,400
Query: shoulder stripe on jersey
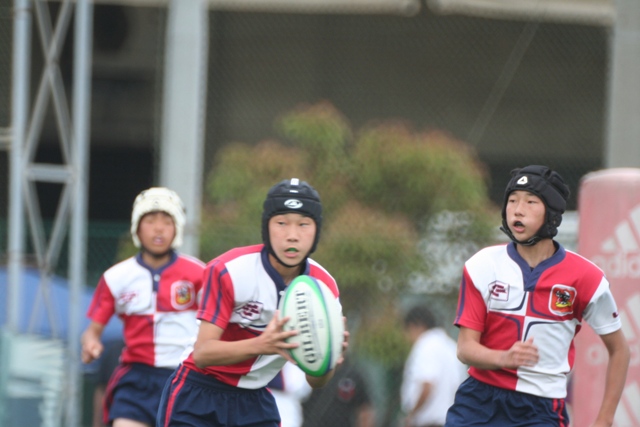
206,286
209,289
219,296
463,287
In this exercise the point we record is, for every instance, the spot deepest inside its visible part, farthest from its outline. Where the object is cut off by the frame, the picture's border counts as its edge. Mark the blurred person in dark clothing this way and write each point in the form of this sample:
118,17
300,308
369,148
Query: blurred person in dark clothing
343,402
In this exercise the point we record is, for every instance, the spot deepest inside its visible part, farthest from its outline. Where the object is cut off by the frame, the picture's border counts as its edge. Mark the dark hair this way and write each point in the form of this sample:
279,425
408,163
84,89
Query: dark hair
420,315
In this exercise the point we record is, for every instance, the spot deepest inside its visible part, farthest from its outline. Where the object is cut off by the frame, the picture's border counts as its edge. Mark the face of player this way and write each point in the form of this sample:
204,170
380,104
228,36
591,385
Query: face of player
291,236
525,214
156,232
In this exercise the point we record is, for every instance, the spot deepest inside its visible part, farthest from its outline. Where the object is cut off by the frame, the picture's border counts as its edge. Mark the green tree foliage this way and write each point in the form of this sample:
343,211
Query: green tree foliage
380,187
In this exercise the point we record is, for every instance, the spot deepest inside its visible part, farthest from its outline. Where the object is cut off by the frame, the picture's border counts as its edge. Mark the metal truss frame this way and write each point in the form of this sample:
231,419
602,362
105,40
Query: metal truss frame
73,131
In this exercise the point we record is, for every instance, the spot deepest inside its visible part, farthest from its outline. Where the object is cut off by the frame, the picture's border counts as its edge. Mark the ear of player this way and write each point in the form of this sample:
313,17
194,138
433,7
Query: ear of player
317,316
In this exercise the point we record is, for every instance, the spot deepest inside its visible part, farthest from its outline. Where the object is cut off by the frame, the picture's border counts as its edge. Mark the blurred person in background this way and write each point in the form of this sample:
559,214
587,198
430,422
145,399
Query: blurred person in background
155,295
432,371
519,308
344,401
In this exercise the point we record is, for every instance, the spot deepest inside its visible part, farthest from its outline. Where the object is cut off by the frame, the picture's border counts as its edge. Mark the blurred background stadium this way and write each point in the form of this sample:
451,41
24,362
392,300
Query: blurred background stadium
503,85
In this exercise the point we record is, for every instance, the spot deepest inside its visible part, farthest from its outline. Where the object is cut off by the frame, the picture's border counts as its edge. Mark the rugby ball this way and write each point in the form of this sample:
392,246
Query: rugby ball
317,316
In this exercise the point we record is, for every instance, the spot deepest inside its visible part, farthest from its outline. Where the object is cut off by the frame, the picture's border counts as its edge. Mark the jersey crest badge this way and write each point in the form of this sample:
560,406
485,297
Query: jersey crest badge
252,310
126,297
182,294
499,291
562,299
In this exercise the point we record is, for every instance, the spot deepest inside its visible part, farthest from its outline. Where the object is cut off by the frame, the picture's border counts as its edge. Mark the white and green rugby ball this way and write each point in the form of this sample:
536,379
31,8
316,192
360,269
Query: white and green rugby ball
317,316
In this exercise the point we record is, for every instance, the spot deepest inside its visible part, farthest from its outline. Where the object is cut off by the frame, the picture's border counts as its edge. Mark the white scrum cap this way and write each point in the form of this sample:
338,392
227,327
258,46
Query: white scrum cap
158,199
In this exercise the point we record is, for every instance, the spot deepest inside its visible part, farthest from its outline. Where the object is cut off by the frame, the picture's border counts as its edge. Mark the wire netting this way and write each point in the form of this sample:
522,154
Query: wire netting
519,92
510,92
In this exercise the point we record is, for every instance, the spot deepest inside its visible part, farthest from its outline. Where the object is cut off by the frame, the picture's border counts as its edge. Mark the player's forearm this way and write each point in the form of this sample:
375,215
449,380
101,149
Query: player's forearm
317,382
614,385
94,331
475,354
217,352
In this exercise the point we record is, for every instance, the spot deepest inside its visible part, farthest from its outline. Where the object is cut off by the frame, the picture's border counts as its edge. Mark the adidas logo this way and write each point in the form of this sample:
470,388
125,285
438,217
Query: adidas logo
624,238
627,414
620,253
619,257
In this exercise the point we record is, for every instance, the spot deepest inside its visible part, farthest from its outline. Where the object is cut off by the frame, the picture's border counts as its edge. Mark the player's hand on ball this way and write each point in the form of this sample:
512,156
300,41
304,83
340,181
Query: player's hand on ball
273,339
316,315
345,342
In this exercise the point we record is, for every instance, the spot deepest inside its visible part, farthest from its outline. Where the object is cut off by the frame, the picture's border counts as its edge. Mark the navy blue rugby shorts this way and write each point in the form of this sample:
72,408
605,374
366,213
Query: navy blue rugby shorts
480,404
191,399
134,392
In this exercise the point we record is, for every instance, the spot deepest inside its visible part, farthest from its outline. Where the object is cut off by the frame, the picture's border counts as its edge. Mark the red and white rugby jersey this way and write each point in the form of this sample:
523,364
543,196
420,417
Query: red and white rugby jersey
504,299
240,295
157,307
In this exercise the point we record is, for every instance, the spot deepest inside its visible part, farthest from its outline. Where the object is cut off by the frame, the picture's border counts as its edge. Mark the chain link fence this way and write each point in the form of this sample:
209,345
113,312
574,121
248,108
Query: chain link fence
517,92
511,92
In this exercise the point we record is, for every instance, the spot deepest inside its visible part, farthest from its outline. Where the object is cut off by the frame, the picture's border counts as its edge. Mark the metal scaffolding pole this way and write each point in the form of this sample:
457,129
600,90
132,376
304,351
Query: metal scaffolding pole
71,174
184,106
79,212
19,108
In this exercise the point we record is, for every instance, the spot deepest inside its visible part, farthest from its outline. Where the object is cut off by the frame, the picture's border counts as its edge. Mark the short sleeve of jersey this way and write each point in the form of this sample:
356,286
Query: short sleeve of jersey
102,304
217,296
602,312
472,309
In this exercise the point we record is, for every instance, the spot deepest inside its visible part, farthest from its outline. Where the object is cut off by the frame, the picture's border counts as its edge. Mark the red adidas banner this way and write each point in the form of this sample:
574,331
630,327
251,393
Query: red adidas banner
609,235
